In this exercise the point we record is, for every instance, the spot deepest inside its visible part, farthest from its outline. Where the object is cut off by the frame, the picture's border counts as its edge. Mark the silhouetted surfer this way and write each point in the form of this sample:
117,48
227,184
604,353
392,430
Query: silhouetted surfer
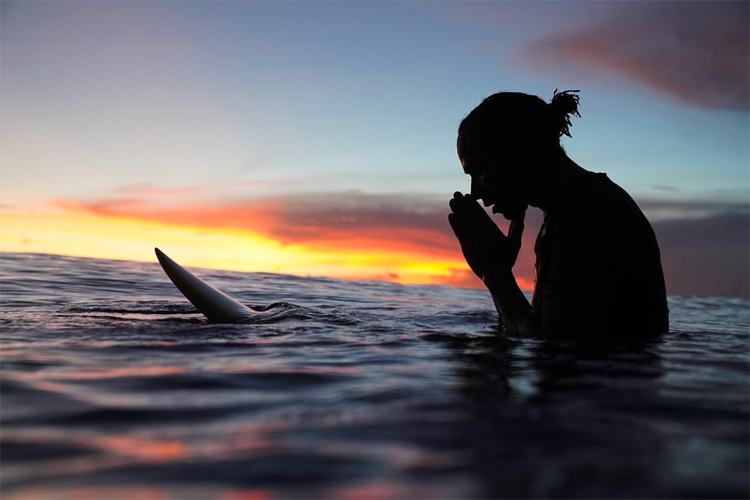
598,268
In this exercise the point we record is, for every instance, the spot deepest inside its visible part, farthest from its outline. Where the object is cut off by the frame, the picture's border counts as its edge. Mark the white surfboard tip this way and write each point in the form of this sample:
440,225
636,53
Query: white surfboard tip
213,303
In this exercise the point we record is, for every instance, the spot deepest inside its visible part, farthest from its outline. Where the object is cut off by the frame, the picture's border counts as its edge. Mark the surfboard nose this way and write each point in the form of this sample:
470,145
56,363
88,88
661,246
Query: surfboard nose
160,255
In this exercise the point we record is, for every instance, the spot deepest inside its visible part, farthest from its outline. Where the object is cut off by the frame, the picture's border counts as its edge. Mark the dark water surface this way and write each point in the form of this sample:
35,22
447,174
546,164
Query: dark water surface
114,387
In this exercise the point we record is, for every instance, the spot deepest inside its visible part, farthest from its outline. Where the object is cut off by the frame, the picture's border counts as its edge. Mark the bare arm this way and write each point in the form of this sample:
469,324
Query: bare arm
516,314
491,255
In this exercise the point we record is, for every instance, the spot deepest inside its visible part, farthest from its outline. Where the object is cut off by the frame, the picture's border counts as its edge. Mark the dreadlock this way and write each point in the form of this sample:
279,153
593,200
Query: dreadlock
563,105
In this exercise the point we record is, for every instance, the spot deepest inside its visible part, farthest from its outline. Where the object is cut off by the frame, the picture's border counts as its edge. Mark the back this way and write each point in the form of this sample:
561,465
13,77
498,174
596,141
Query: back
597,254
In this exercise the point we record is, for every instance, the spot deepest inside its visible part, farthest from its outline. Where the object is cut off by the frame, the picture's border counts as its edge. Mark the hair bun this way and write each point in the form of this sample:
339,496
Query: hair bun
563,105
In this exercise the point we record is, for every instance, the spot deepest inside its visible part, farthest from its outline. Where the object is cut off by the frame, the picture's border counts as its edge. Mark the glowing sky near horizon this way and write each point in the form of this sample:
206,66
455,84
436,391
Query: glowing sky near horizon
319,138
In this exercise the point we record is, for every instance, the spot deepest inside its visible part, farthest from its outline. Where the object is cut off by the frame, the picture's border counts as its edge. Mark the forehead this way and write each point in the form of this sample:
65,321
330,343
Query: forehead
463,143
467,153
476,151
477,143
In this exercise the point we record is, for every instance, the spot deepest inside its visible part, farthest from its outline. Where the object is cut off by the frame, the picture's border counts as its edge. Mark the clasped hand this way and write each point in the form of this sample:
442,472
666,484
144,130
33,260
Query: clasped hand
486,249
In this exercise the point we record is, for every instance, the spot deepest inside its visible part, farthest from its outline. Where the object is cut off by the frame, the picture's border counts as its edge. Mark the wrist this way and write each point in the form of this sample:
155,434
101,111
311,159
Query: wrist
497,278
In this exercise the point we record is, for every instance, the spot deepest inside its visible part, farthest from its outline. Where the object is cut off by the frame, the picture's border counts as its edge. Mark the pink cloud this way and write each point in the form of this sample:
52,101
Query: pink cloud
695,52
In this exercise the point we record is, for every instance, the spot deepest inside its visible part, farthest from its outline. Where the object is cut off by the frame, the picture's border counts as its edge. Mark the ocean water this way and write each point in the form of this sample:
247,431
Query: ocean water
113,386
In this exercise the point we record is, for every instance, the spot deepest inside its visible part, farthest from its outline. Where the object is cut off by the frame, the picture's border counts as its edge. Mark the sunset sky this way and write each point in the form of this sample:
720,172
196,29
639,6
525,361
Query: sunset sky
319,138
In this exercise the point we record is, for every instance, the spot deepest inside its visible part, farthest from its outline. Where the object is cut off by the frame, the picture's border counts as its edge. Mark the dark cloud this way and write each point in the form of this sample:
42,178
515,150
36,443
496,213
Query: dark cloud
664,187
658,210
306,218
706,256
696,52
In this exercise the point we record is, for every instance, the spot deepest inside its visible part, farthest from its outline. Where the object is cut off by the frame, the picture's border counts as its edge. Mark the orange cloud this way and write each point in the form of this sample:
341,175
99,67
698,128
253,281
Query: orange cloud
356,220
255,217
344,235
355,236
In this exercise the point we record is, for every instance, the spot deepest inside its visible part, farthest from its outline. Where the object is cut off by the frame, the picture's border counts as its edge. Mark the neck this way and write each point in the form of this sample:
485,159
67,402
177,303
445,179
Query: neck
557,175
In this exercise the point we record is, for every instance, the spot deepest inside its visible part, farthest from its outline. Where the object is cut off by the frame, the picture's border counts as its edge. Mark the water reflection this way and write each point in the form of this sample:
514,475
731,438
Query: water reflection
516,368
561,418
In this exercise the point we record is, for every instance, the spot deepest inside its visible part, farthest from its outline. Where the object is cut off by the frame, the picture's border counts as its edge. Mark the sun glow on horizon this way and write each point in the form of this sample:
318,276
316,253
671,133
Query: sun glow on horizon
81,234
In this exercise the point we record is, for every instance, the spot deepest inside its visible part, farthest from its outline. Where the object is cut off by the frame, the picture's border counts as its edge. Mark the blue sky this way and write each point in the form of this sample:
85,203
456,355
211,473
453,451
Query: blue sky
256,100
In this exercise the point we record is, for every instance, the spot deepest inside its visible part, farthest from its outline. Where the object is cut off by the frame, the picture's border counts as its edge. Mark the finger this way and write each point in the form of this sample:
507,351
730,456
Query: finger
476,211
457,210
458,207
515,231
458,229
480,219
471,214
456,200
469,209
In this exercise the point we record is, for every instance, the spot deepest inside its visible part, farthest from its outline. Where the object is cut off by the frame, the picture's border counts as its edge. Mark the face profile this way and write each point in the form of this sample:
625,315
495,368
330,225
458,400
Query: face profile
496,178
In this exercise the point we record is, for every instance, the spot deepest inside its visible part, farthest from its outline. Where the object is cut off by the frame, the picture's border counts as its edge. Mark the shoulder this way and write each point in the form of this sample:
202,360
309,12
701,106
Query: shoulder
597,201
596,190
598,216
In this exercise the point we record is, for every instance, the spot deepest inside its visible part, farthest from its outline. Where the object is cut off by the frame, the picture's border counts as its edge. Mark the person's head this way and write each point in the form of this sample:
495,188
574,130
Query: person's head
507,141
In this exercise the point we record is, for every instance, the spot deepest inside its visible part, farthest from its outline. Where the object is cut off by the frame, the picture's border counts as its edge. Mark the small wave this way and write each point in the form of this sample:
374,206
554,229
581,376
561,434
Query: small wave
131,307
284,311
